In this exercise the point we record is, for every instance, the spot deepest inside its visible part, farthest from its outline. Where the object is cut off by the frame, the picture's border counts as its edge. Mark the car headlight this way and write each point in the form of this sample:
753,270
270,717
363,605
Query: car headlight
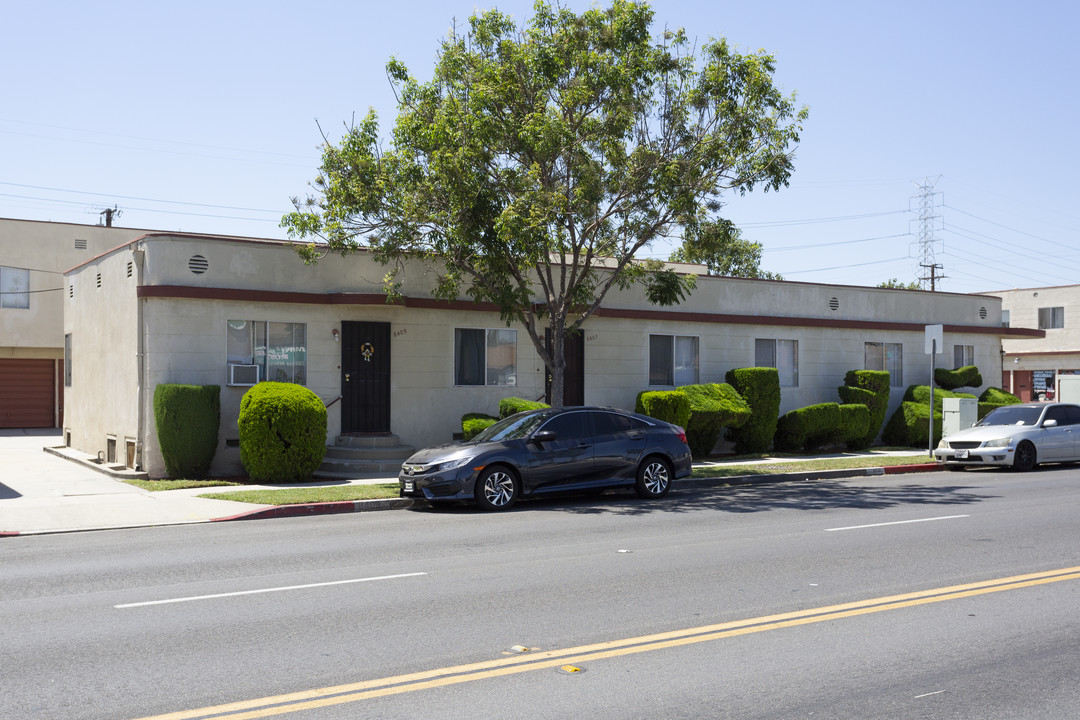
942,445
998,442
450,464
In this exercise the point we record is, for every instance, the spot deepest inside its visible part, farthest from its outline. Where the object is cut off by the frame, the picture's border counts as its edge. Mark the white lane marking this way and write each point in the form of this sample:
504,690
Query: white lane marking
936,692
266,590
899,522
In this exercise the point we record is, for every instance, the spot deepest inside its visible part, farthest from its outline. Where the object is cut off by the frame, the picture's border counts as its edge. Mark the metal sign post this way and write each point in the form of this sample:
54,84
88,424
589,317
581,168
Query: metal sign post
934,336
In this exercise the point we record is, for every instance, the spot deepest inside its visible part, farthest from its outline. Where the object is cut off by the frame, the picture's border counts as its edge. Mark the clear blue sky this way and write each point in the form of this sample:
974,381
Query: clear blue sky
201,116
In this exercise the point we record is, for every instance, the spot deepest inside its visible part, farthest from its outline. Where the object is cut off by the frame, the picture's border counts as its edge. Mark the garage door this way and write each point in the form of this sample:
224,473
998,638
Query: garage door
26,393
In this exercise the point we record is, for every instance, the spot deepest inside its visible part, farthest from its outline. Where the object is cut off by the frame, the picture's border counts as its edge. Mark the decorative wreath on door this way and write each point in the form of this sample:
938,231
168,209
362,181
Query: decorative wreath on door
367,350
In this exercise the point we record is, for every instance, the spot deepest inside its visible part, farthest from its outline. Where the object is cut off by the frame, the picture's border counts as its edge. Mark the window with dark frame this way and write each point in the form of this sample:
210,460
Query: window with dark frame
278,349
673,360
885,356
1051,318
485,356
780,354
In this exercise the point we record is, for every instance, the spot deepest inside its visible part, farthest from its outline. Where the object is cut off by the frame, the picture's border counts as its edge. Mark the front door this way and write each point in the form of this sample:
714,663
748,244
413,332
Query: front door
574,375
365,377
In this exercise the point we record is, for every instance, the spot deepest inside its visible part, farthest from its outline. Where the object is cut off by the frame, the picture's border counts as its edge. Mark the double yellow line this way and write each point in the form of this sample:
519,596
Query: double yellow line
531,661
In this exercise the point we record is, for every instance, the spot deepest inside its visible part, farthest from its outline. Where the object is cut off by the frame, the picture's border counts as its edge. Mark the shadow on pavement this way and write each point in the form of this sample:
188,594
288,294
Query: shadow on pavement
811,495
7,493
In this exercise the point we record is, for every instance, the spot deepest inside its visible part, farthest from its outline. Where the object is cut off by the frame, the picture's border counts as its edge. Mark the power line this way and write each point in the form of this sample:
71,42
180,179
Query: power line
829,244
152,210
141,199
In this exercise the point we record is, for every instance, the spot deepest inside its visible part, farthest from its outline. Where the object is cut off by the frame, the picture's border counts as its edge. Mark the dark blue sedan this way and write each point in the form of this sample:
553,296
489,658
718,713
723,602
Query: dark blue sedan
548,451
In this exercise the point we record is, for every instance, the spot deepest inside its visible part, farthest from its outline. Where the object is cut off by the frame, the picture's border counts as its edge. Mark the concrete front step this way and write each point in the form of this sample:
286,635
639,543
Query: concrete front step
367,441
339,468
343,452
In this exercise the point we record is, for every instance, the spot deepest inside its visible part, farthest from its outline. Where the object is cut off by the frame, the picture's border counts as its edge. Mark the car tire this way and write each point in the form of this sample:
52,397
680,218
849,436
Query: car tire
1026,457
653,478
496,488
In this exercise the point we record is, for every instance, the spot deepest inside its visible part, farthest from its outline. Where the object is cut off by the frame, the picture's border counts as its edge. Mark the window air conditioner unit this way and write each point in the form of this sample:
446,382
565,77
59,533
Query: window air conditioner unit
243,374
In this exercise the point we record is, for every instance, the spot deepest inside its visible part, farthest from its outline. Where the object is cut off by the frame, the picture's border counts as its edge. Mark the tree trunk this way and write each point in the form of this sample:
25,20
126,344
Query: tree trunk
557,367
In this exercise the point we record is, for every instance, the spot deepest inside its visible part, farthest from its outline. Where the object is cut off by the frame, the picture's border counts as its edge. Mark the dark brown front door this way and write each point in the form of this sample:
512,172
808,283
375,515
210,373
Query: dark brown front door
27,398
574,378
365,377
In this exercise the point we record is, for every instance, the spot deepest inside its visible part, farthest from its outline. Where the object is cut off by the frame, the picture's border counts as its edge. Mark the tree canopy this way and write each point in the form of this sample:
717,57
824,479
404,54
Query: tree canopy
538,162
721,247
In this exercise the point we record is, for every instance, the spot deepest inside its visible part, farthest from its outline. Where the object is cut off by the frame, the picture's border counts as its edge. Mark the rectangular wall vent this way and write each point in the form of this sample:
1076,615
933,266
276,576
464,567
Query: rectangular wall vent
80,244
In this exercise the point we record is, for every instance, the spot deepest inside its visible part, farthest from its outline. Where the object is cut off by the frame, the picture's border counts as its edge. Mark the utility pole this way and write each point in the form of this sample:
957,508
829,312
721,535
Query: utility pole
108,214
928,202
933,276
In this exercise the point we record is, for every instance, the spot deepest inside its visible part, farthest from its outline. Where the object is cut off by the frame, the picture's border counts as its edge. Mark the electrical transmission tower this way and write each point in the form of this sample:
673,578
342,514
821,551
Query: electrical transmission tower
929,222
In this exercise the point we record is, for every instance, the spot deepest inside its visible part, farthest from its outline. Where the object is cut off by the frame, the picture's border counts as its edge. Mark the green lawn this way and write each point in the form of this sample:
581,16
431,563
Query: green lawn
822,464
302,495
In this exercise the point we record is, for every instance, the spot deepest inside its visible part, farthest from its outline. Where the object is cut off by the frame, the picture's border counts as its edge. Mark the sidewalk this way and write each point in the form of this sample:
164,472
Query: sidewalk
45,490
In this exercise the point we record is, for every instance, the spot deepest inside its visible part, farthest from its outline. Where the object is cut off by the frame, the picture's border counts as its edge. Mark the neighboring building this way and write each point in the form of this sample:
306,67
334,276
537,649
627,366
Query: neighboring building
173,308
33,258
1031,366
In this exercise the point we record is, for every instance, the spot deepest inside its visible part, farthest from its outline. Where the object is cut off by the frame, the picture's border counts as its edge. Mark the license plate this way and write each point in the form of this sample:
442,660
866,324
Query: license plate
408,486
961,454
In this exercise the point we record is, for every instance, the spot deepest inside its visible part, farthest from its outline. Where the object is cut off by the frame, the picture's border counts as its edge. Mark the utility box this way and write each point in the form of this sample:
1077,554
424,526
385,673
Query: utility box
1068,388
958,414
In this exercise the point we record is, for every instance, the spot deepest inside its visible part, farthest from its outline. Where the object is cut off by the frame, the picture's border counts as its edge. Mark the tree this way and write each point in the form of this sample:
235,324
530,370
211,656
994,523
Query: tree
897,285
538,162
720,246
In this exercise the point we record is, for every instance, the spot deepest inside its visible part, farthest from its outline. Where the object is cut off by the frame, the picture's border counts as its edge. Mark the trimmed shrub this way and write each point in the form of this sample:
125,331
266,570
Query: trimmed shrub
282,432
875,382
472,423
909,425
513,405
921,394
807,428
854,422
997,396
967,376
187,419
760,388
671,406
712,408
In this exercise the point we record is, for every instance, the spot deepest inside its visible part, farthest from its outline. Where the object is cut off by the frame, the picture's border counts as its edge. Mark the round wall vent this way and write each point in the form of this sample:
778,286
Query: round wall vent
198,264
834,304
982,313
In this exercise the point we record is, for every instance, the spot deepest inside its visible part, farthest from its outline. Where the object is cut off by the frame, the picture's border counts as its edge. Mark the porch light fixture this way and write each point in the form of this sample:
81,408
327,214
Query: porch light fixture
337,335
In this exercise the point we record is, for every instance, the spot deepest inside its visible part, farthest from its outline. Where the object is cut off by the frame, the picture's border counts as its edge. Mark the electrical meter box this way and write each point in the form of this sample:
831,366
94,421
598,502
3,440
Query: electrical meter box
957,414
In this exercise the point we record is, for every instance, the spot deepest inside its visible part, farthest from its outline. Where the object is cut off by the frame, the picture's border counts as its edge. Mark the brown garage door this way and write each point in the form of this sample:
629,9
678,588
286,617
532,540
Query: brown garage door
26,393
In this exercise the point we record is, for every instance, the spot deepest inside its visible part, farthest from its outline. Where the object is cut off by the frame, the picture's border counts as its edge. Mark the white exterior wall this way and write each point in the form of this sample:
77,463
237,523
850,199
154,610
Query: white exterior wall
102,318
47,250
251,280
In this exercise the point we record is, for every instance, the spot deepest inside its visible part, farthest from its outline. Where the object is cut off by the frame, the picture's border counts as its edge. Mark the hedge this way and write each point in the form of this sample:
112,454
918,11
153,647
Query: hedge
854,422
472,423
513,405
921,394
187,419
713,407
967,376
857,383
282,432
997,396
671,406
807,428
760,388
909,425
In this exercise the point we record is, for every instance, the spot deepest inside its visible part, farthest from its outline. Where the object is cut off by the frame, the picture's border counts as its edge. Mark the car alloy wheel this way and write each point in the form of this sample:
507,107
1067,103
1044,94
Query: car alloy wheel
1026,457
653,478
496,488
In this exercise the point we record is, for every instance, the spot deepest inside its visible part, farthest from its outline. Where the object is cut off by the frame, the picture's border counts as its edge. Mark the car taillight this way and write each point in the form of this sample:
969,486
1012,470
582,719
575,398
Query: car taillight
682,434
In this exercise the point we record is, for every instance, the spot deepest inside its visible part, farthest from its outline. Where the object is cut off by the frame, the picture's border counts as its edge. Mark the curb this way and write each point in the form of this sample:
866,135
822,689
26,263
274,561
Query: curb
326,508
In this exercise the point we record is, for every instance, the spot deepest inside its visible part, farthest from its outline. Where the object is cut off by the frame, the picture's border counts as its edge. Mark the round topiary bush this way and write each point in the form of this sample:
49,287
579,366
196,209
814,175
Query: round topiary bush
282,432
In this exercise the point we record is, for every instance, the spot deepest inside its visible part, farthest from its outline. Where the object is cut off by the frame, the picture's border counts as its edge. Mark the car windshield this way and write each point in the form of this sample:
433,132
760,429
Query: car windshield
1013,415
511,428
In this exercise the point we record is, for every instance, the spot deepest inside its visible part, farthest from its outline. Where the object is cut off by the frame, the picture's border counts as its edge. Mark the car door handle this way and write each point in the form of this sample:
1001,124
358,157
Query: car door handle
584,445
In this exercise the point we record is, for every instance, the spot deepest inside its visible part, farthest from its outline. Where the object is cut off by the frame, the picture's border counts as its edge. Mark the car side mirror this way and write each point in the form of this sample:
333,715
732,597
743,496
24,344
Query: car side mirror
543,436
1050,423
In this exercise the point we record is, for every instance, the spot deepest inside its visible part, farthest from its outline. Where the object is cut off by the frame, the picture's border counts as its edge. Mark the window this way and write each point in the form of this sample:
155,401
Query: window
1051,318
886,356
1004,318
963,355
67,360
485,357
673,360
782,355
277,349
14,288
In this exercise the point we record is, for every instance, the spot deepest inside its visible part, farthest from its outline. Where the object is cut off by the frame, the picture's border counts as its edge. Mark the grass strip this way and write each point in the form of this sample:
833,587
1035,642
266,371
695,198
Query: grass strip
302,495
778,468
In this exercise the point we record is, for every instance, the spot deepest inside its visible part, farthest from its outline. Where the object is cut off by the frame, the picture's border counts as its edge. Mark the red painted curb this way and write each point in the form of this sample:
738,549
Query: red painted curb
327,508
898,469
8,533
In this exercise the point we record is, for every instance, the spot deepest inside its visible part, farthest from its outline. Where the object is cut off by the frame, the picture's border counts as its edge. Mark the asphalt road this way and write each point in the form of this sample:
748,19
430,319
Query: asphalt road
934,595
